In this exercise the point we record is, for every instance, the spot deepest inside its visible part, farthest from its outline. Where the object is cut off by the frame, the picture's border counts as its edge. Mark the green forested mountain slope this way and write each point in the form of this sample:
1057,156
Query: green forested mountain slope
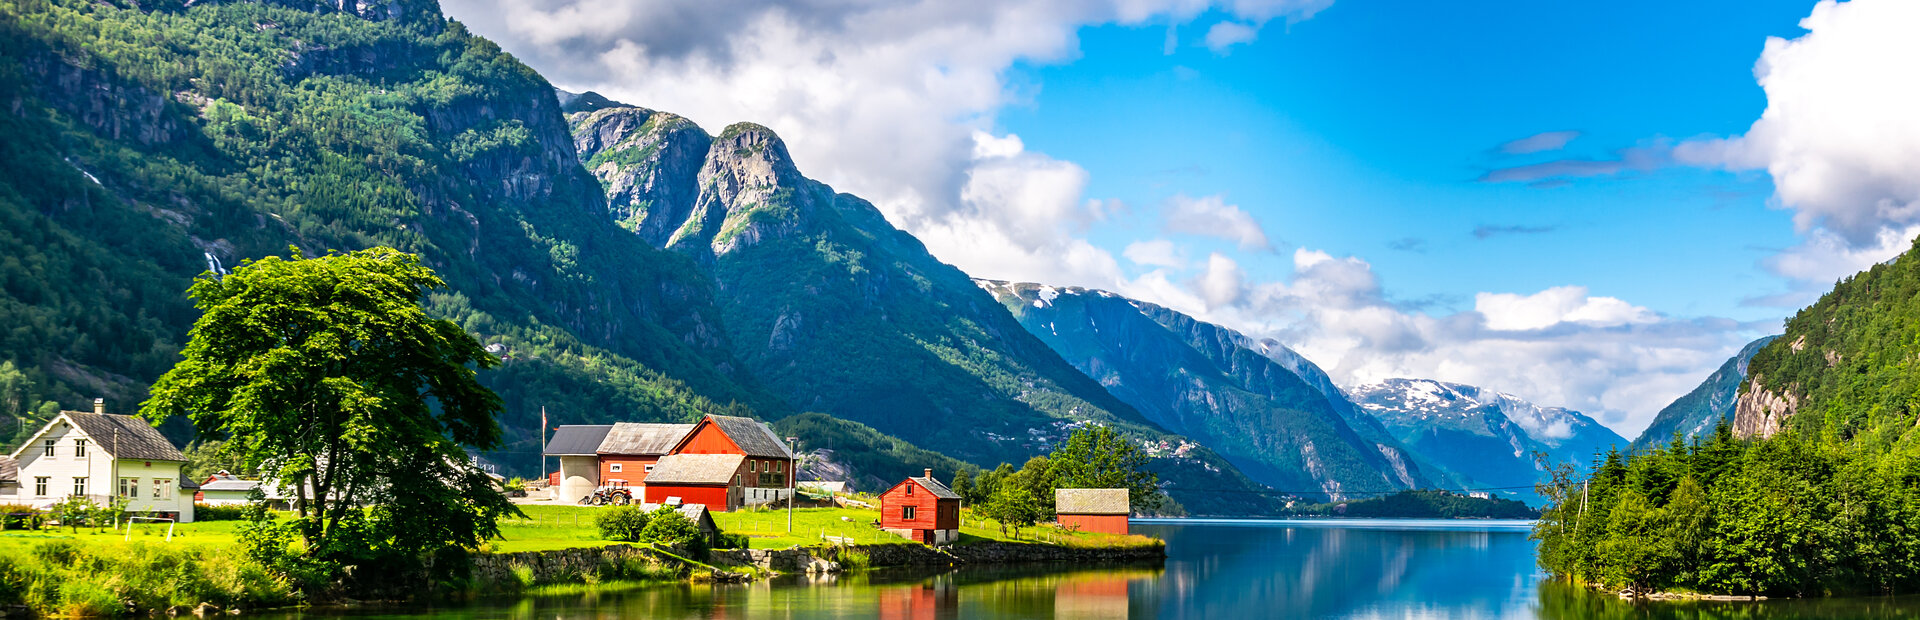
139,141
142,140
1696,413
835,310
1202,381
1848,367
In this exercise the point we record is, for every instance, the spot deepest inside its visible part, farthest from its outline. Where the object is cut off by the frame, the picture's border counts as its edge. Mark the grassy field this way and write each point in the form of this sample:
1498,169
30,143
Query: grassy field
561,527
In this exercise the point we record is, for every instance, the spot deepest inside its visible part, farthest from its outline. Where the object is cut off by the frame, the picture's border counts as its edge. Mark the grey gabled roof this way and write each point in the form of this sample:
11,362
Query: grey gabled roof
1090,501
577,440
933,486
753,436
631,438
125,436
230,485
696,469
9,469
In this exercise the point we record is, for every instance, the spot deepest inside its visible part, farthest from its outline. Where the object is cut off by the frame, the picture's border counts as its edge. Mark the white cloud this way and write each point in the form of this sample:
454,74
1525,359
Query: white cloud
880,98
1224,35
1213,217
1222,282
1563,304
1840,137
1154,253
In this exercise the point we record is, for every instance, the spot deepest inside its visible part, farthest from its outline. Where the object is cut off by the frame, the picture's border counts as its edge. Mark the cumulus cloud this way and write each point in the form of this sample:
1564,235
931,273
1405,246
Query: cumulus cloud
1562,304
1154,253
879,98
1221,283
1211,216
1841,134
1224,35
1538,143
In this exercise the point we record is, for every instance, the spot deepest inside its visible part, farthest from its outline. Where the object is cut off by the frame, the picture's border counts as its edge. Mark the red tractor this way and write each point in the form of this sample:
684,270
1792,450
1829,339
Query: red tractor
616,493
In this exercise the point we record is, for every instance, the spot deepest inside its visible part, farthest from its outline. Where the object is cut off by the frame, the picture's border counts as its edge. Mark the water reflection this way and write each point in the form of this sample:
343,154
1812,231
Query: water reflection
1221,569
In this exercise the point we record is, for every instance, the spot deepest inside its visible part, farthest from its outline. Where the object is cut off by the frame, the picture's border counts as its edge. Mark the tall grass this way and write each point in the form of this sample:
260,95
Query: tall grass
58,577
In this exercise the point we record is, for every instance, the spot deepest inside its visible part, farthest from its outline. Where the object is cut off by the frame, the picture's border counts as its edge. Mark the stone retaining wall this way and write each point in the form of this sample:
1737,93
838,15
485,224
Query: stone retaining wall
828,559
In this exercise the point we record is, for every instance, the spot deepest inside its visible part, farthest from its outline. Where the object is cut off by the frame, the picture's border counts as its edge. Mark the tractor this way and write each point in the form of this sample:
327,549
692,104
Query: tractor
616,493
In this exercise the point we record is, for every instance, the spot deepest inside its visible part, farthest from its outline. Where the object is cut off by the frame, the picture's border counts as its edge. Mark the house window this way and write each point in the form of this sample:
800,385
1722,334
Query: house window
907,513
615,468
49,451
79,448
909,489
40,485
162,490
130,487
753,466
736,480
649,468
79,485
780,467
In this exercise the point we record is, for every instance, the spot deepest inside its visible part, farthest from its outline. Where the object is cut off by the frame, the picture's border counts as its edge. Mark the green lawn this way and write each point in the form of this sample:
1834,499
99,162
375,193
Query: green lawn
560,527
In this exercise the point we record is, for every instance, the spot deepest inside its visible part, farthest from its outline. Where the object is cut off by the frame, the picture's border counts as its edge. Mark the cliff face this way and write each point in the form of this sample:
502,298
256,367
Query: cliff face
1760,413
1714,400
1203,381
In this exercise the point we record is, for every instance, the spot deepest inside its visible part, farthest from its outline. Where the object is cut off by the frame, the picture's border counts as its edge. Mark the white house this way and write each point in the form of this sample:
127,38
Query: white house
100,455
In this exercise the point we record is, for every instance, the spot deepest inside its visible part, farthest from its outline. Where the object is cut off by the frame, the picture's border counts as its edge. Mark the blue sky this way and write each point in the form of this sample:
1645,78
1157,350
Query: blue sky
1369,124
1589,205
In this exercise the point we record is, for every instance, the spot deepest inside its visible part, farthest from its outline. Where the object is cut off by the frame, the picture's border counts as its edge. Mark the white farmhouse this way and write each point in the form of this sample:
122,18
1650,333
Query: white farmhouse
100,455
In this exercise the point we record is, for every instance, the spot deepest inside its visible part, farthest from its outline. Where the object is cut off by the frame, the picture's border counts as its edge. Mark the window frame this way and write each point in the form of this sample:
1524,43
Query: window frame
51,444
79,448
40,484
80,486
907,513
614,468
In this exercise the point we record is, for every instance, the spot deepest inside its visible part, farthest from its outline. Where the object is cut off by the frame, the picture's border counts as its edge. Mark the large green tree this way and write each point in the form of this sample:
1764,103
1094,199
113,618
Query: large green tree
1096,457
327,376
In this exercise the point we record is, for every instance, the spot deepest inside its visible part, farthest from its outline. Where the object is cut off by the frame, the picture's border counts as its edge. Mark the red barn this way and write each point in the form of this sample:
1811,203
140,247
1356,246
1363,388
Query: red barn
629,451
724,462
921,509
1092,510
711,479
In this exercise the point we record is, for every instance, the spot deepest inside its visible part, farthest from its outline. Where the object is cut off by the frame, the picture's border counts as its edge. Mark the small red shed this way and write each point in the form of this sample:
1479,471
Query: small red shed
921,509
711,479
1092,510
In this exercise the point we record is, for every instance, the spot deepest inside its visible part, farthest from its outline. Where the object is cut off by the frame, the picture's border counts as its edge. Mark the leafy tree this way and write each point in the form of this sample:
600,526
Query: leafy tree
668,527
72,511
1015,506
1097,457
624,523
963,484
326,375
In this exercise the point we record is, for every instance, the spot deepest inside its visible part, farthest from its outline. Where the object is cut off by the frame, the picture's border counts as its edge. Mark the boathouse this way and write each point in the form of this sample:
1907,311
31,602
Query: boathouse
1092,510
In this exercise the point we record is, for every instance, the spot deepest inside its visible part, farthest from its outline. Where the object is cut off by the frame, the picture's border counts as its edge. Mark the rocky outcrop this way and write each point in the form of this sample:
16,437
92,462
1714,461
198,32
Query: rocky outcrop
649,162
1760,412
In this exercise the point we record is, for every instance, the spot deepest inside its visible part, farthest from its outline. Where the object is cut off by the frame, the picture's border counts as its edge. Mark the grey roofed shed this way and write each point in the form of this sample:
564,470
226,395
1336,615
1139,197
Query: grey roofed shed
753,436
125,437
1090,501
696,469
631,438
9,469
577,439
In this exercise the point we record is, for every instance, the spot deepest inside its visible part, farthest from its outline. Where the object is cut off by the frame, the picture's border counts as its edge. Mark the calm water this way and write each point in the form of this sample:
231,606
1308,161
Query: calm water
1215,569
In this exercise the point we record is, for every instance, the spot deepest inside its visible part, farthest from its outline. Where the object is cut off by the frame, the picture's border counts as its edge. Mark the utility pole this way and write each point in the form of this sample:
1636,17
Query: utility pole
793,472
543,450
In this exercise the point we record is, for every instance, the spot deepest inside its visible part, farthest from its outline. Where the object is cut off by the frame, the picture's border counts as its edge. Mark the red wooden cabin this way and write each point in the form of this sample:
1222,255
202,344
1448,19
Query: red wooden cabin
921,509
1092,510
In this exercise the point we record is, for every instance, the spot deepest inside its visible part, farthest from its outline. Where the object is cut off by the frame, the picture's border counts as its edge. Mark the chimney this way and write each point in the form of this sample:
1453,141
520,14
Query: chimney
929,475
99,405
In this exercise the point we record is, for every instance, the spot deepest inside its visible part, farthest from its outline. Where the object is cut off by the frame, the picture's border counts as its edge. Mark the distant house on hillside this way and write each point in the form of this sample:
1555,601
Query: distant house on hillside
1092,510
921,509
723,462
100,456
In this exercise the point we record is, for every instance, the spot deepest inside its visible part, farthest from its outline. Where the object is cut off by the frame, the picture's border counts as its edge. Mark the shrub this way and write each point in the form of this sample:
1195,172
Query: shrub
20,517
669,527
625,523
222,512
855,559
732,541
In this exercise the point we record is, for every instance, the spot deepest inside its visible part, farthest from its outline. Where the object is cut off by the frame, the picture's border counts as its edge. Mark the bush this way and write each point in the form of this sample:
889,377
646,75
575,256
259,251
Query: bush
732,541
668,527
20,517
223,512
625,523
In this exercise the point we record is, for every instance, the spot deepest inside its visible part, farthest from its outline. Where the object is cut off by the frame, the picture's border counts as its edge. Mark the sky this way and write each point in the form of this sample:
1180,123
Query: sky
1589,205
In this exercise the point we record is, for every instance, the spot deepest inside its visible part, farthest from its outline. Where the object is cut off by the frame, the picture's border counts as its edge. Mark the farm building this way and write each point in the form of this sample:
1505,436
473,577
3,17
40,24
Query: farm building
1092,510
921,509
734,461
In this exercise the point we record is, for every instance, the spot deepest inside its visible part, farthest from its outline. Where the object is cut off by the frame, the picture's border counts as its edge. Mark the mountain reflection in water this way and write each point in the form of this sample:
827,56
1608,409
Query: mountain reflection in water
1215,569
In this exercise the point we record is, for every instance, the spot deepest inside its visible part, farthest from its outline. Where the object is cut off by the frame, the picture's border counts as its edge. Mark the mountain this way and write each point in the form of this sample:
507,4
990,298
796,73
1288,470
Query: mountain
1844,367
1485,436
145,146
1699,410
836,311
1212,384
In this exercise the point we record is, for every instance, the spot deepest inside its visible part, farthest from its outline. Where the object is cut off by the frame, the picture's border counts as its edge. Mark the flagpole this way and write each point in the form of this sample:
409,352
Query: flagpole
543,449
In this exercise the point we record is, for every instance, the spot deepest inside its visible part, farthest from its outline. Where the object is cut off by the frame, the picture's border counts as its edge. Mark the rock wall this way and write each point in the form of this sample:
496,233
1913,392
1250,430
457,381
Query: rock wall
832,559
569,565
1761,412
